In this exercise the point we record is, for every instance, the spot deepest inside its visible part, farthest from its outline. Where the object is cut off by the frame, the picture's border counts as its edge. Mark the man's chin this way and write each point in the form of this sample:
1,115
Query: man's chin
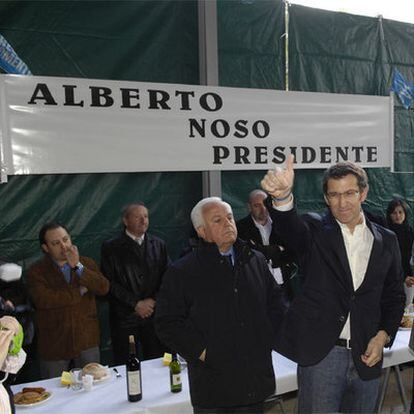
232,239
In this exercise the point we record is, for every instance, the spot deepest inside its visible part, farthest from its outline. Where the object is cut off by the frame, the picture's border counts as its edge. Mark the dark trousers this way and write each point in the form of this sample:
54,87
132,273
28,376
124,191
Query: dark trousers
52,369
148,344
257,408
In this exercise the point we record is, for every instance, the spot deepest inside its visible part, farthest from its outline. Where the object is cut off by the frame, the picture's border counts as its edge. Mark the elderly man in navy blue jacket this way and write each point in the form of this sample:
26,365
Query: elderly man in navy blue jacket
352,299
216,307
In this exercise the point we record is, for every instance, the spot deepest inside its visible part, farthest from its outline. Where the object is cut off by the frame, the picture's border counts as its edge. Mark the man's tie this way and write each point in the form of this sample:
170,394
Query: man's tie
229,260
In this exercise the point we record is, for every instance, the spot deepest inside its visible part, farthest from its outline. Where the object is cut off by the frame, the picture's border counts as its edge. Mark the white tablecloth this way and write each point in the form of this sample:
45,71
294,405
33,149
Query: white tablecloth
111,397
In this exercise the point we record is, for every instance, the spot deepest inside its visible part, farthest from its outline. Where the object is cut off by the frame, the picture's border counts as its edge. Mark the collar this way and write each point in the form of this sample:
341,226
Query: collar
56,263
240,249
139,240
268,222
358,228
229,252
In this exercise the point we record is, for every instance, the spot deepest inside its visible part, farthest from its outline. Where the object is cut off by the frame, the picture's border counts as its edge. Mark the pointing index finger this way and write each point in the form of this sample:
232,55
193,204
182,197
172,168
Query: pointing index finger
289,162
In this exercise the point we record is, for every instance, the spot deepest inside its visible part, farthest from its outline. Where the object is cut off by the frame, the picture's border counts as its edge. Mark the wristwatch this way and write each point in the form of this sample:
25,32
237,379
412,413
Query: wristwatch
78,266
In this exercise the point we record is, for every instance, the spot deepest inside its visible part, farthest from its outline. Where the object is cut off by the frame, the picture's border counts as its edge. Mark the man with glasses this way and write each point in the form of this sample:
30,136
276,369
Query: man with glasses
352,299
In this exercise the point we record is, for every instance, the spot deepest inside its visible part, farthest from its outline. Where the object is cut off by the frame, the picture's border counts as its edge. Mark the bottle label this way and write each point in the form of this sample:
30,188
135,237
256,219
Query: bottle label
134,383
176,379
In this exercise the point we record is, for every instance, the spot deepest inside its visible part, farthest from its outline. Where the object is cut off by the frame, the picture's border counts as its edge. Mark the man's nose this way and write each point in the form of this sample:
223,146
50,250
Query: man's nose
341,200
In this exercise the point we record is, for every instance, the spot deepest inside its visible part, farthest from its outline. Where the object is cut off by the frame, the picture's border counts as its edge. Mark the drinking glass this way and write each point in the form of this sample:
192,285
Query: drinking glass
76,374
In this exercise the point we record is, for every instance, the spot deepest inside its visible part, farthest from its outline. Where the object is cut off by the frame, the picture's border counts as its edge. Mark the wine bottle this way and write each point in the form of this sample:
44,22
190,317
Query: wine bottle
133,370
175,374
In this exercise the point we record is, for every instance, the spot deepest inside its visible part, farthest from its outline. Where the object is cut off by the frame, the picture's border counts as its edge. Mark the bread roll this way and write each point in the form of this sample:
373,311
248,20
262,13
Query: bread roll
98,371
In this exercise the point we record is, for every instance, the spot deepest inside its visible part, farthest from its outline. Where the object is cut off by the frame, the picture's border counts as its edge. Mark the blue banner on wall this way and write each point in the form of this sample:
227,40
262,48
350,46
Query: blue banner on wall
402,88
10,61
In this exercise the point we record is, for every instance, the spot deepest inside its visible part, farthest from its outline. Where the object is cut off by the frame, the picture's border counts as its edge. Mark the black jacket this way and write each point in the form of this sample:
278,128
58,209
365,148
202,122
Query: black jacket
316,317
205,304
405,236
275,251
132,279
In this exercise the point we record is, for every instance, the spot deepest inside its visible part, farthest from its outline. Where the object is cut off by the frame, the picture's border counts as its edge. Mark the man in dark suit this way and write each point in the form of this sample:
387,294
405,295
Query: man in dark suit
257,230
134,262
352,299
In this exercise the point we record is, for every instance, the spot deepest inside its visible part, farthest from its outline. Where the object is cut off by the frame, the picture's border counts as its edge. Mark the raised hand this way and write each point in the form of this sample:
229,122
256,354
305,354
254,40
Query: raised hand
279,182
72,256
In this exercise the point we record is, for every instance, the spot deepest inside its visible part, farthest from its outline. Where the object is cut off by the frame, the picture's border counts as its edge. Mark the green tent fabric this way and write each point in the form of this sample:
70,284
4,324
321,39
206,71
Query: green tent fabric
328,52
123,40
157,41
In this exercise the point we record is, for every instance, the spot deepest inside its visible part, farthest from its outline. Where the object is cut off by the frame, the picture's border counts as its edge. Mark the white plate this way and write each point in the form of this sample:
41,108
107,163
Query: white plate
105,378
36,403
401,328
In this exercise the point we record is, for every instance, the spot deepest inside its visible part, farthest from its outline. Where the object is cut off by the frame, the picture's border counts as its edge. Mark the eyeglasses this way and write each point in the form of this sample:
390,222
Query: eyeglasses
347,195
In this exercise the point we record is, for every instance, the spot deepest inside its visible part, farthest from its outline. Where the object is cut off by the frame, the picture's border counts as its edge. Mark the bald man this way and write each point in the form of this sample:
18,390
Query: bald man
258,231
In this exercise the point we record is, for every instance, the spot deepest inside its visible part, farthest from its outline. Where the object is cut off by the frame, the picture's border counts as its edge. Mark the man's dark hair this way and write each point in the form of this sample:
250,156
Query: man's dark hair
341,170
127,209
51,225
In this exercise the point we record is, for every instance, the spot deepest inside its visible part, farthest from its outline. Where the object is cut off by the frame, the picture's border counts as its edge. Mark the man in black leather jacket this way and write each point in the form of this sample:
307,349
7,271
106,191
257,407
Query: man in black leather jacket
134,262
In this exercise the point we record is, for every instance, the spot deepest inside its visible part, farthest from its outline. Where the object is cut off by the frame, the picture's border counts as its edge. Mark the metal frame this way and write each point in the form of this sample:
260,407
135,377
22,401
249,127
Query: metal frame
208,64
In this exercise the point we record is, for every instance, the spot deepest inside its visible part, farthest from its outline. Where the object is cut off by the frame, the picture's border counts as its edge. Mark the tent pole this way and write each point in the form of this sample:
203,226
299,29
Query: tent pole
208,64
287,4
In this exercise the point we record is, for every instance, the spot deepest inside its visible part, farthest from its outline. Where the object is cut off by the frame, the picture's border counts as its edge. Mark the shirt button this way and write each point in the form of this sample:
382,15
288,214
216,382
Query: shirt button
242,324
341,318
235,290
353,297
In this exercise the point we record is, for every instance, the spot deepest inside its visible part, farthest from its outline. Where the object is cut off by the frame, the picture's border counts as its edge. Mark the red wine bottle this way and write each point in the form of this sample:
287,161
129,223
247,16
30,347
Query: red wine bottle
133,370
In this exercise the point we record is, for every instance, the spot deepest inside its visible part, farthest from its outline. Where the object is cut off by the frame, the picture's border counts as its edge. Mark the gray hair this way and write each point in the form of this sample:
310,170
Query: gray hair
197,212
254,193
126,210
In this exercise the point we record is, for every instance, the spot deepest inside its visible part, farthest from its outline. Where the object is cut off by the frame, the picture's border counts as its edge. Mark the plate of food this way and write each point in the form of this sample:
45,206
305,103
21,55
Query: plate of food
98,371
406,323
31,397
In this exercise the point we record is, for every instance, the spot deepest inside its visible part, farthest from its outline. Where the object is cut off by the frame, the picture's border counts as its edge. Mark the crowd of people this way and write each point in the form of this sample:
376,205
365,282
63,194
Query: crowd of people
230,299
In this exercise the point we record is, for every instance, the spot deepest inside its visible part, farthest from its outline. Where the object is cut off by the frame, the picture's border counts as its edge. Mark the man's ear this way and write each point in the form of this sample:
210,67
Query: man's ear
201,231
326,200
364,194
45,248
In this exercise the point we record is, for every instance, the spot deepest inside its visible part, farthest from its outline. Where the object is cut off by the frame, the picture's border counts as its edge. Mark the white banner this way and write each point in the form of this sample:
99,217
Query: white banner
70,125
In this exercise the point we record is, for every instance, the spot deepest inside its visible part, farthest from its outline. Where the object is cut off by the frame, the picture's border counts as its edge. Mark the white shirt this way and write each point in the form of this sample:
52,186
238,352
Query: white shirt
265,231
136,239
358,247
